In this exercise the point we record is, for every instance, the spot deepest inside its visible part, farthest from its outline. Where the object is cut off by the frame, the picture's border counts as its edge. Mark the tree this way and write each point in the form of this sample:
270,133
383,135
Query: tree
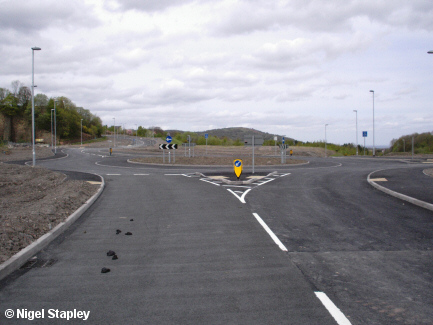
13,103
17,102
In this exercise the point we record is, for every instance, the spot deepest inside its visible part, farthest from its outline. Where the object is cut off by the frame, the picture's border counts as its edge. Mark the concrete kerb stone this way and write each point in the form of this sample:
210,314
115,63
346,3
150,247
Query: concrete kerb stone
400,196
226,181
199,166
20,258
248,181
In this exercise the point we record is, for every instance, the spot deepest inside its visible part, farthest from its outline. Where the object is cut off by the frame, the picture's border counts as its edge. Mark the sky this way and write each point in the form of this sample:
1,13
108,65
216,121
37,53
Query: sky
283,67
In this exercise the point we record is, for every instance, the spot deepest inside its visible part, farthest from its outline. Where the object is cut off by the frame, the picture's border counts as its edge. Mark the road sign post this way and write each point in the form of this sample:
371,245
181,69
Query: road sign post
238,165
168,147
206,136
253,154
364,135
284,148
253,140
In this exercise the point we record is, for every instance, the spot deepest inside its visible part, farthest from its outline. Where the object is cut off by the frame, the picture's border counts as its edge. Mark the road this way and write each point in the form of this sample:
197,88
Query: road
199,255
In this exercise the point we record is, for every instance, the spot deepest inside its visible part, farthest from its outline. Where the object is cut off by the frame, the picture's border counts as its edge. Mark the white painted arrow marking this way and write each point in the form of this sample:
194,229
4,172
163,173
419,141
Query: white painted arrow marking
241,198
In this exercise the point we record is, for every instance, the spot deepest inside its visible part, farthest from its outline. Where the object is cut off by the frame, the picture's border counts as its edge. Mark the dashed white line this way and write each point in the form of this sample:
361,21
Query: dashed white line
333,310
269,231
114,174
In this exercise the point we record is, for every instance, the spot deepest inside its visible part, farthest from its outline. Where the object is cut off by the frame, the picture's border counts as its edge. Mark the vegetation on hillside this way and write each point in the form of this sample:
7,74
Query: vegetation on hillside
16,103
423,143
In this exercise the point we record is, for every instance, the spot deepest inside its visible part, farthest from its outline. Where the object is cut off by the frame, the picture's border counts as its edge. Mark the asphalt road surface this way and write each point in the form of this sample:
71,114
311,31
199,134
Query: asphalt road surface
311,244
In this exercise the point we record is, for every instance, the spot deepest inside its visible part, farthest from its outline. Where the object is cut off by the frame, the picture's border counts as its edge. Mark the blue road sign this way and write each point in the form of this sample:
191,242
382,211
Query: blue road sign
206,135
168,138
364,134
284,140
238,163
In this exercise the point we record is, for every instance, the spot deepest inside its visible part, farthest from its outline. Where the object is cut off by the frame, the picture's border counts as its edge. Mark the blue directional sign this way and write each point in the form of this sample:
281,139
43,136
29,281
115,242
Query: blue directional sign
206,135
284,140
364,134
168,139
237,164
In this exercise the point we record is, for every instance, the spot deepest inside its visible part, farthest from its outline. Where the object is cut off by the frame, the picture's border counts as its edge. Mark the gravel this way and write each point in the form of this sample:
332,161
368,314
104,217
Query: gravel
33,200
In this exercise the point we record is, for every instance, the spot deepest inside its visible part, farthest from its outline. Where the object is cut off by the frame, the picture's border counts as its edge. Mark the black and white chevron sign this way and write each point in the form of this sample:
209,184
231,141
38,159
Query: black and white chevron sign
168,146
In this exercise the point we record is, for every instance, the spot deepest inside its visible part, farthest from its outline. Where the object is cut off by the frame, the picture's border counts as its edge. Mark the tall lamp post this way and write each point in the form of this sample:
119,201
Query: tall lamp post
136,134
356,112
430,52
52,131
55,128
81,132
114,129
374,150
325,138
33,102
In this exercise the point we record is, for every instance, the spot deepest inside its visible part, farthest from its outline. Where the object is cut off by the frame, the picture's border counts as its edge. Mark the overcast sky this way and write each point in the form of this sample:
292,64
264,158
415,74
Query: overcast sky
284,67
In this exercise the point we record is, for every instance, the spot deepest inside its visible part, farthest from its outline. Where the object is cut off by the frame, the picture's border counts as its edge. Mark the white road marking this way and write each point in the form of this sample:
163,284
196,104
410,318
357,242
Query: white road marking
141,174
333,310
269,231
205,180
113,174
268,180
237,186
241,198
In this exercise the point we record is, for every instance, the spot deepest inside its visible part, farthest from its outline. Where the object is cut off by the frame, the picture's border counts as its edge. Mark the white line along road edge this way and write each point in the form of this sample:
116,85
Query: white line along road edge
329,305
333,310
269,231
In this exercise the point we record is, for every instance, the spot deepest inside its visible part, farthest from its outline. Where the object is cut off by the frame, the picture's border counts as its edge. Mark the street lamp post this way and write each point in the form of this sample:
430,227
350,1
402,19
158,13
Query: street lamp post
430,52
55,128
136,134
114,129
52,131
81,132
325,138
356,112
374,150
33,102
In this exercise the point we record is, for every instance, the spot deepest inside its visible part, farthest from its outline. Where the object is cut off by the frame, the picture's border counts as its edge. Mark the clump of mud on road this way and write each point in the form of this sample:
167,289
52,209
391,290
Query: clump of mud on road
34,200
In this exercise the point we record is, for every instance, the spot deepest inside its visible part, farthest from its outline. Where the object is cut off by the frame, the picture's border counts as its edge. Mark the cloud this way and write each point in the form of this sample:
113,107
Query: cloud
34,16
147,5
322,16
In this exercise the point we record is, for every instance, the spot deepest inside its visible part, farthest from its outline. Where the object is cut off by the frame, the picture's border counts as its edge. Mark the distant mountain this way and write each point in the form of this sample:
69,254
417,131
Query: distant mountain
238,133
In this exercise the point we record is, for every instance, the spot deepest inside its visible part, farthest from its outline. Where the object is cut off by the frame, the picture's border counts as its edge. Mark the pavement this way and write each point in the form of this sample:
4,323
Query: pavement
197,253
409,182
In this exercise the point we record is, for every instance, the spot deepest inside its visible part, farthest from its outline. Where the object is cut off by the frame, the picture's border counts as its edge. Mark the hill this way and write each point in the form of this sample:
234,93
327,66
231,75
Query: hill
234,133
423,143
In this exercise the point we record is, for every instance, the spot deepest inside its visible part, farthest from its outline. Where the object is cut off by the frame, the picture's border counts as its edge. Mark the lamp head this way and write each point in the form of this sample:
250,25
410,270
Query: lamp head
36,48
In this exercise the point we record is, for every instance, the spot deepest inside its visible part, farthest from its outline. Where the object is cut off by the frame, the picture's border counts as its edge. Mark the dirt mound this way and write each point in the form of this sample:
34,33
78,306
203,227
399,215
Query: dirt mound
34,200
